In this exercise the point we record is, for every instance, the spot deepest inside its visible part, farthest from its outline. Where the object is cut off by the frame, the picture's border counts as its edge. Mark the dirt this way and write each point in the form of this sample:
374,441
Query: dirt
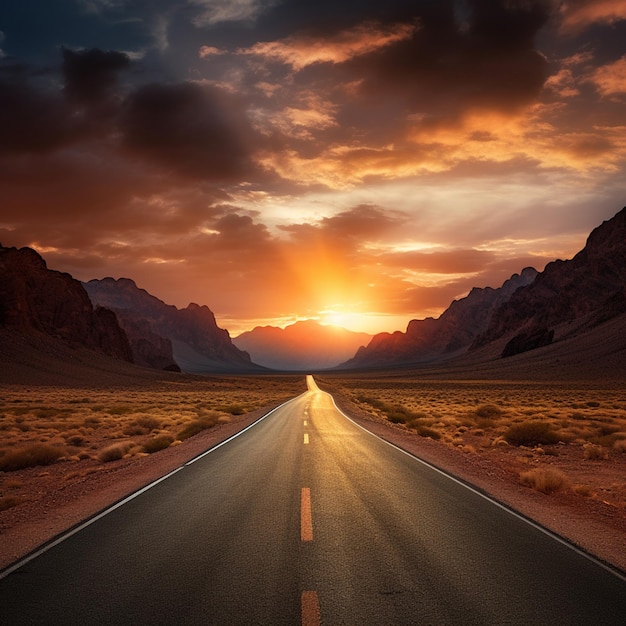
596,524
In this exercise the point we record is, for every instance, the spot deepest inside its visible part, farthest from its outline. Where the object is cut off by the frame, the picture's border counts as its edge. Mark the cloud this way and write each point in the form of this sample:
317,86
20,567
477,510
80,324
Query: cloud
299,51
611,79
209,51
187,128
487,61
91,75
441,261
218,11
34,120
577,15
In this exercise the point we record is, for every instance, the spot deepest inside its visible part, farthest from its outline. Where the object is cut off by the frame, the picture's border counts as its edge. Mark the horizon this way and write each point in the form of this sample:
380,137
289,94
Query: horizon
361,167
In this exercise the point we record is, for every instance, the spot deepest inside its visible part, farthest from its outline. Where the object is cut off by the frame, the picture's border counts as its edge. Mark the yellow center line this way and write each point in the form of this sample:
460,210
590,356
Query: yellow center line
306,423
306,521
306,437
310,609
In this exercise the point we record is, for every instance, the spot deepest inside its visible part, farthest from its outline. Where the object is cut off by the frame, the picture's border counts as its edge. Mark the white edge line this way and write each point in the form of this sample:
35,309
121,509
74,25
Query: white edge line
219,445
59,539
609,568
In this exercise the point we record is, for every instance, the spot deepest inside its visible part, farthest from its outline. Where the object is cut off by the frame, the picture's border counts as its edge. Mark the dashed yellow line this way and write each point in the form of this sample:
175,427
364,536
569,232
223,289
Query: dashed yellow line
306,521
310,609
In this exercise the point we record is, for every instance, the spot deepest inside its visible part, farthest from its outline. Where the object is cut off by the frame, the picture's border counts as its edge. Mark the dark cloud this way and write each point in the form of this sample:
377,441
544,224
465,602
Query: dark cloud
485,58
33,119
189,129
91,75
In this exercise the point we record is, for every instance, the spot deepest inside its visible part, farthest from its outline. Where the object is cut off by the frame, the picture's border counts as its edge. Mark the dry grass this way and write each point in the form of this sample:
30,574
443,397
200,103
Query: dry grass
30,456
547,480
79,430
578,428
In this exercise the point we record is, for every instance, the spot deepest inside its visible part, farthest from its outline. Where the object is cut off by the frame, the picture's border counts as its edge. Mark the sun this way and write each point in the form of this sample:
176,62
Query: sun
345,319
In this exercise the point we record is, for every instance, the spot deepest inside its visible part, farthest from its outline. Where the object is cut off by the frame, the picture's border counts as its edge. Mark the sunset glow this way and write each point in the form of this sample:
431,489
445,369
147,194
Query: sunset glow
278,161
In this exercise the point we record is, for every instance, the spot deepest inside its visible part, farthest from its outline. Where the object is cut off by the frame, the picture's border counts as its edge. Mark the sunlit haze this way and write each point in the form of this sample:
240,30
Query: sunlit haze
357,164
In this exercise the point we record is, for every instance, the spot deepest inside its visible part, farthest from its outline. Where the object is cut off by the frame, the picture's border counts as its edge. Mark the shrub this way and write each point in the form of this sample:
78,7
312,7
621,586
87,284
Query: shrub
160,442
583,490
533,433
146,421
114,452
426,431
30,456
198,425
545,480
233,409
75,440
489,412
620,445
595,453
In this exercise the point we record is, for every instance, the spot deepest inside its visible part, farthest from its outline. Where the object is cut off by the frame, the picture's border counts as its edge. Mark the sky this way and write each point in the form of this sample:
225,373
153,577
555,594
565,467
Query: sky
361,163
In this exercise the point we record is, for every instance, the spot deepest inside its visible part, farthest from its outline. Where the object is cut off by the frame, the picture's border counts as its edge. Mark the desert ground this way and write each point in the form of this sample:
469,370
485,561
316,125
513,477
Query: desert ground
553,450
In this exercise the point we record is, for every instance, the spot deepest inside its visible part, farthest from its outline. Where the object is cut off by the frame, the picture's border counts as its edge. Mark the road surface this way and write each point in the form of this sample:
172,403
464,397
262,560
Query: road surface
305,518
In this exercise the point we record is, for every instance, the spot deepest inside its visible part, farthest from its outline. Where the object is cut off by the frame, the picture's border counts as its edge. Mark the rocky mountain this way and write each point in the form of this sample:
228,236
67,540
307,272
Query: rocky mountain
305,345
432,339
35,299
568,297
198,345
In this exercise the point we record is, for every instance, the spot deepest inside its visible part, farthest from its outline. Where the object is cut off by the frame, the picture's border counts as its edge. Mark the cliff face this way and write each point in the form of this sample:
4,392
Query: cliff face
34,298
584,291
431,339
194,326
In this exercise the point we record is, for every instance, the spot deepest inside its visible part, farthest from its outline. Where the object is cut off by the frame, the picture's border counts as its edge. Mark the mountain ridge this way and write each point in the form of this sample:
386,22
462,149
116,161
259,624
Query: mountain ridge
432,339
304,345
190,331
35,300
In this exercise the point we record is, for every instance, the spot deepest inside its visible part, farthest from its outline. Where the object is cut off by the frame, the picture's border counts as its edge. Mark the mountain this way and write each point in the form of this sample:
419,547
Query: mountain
568,297
305,345
432,339
198,345
39,303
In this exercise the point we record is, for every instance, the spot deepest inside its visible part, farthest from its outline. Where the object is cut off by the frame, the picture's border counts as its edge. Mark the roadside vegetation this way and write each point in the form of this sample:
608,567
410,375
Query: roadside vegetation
84,430
556,436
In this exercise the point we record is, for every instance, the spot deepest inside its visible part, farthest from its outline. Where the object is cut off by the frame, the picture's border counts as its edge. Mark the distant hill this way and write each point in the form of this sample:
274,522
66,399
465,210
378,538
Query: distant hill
433,339
305,345
198,345
45,306
568,297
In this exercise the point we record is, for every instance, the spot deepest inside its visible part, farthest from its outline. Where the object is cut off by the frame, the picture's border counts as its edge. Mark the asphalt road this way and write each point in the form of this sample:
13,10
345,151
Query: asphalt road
305,519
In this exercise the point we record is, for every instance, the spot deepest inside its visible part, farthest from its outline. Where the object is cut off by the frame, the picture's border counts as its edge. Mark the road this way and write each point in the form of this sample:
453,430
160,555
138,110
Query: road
305,518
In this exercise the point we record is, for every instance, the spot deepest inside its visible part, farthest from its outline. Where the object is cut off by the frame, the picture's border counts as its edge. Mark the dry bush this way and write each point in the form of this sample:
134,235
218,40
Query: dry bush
546,480
159,442
30,456
114,452
620,445
533,433
489,412
206,421
73,439
583,490
148,422
595,453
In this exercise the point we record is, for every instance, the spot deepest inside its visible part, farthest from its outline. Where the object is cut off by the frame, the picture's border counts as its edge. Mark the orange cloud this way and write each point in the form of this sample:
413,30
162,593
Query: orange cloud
299,51
578,14
209,51
611,79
